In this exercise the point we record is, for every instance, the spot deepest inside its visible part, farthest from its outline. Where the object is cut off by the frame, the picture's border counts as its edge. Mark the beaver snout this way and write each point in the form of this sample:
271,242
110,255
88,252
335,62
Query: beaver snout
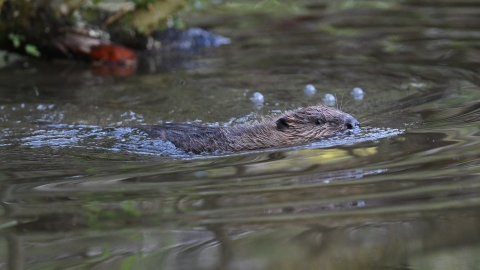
351,123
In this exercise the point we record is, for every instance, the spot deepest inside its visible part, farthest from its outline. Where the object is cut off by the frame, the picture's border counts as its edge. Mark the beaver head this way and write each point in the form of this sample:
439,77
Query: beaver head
315,122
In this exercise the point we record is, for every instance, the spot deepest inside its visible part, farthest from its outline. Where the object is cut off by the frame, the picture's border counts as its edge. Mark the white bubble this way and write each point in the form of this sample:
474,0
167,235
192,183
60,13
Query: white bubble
257,98
309,90
329,100
357,93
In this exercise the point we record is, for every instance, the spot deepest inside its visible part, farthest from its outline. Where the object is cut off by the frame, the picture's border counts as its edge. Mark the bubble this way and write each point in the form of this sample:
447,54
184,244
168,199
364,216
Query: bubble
257,98
357,93
329,100
309,90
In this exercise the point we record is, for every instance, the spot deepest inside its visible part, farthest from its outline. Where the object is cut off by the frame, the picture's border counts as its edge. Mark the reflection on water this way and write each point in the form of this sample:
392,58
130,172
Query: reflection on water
80,188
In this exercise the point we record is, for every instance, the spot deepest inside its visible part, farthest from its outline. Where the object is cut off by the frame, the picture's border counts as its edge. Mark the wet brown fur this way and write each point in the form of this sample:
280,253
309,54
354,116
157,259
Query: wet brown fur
291,128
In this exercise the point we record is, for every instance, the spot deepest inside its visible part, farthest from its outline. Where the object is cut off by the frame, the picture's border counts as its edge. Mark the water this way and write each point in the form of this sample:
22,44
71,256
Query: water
81,189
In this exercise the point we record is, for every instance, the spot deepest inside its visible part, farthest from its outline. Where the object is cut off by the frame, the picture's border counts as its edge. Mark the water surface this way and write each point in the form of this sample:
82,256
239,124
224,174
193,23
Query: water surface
81,189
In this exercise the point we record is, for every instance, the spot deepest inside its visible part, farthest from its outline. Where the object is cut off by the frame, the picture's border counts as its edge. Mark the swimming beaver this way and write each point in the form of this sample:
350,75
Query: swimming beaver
291,128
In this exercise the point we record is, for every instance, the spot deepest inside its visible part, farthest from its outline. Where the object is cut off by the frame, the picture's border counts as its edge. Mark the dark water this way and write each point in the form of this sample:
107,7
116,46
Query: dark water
80,189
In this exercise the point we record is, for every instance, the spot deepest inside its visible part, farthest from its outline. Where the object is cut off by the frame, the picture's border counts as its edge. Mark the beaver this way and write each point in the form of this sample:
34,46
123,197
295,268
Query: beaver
291,128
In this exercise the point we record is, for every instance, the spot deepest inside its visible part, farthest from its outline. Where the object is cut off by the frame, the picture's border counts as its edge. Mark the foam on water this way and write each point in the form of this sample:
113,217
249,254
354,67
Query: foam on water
125,139
365,134
133,140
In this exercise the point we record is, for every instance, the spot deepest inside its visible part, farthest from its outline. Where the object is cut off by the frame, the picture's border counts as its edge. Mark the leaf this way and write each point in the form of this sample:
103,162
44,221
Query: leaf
32,50
16,39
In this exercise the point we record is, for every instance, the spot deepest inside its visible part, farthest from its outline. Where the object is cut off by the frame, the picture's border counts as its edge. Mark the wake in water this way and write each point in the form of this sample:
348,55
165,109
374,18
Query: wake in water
117,139
135,141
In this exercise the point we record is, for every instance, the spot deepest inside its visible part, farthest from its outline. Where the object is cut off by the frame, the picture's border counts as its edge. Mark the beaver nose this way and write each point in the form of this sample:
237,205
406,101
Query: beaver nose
351,123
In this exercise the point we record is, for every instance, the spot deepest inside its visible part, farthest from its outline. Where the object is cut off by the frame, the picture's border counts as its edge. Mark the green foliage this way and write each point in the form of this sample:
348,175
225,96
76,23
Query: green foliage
177,22
32,50
16,39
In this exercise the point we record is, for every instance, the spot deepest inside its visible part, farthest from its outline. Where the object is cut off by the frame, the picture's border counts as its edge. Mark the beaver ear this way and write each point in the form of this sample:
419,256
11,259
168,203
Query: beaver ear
282,123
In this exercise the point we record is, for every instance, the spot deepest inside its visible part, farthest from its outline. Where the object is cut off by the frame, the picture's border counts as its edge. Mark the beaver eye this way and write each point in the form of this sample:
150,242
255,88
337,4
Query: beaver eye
318,122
